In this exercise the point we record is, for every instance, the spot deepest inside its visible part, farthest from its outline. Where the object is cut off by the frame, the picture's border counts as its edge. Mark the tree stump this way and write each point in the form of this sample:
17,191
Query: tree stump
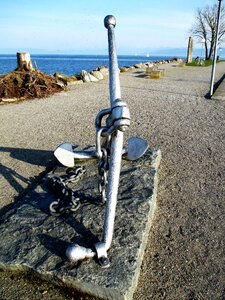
24,62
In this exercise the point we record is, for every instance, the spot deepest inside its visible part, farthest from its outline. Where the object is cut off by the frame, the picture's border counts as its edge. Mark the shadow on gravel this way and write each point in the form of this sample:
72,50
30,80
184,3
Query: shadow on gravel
141,75
32,156
215,87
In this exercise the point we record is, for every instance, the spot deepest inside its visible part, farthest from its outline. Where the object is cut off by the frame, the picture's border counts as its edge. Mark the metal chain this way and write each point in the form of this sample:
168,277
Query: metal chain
103,167
67,198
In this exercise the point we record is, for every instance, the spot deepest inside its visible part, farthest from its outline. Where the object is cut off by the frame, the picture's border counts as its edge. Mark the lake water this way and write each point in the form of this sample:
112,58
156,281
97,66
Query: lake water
72,64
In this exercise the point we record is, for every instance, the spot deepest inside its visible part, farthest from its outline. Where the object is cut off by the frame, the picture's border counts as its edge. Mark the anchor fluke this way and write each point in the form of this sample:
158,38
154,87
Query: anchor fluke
136,148
67,156
64,154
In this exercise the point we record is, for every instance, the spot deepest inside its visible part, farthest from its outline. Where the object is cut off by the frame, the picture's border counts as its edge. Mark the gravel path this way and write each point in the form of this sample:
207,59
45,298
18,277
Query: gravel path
185,253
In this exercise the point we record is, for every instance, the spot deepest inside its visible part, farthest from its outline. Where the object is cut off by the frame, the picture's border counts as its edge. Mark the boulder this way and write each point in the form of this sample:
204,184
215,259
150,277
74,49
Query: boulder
97,74
61,83
138,66
87,77
92,78
150,65
64,78
124,69
104,71
75,82
78,76
176,59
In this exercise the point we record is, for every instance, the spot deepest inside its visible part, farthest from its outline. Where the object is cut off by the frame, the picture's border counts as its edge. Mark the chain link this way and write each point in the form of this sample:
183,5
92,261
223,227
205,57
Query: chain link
103,167
67,199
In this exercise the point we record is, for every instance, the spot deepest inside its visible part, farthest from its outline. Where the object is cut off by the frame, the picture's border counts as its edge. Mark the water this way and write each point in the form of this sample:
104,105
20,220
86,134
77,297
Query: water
72,64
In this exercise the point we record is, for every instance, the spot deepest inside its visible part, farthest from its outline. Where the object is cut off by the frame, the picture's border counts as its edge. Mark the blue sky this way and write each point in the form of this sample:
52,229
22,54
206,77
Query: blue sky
76,26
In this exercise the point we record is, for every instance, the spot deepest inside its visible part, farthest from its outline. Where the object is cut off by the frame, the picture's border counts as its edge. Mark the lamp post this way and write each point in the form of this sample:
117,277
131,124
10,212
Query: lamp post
215,50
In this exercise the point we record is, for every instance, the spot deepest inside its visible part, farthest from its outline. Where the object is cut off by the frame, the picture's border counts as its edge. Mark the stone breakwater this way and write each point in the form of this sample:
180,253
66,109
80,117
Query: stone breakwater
103,72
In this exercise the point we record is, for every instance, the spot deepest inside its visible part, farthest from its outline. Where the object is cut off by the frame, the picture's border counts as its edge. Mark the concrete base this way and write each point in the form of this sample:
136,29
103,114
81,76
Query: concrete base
34,240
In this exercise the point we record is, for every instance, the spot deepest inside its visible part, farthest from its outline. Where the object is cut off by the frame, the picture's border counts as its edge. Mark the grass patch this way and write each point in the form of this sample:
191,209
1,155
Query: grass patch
205,63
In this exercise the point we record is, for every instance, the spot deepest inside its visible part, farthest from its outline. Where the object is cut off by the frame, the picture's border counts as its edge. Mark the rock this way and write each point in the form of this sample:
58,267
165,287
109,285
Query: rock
84,76
65,78
36,241
104,71
61,83
175,59
75,82
124,69
87,77
138,66
97,74
150,65
78,76
92,78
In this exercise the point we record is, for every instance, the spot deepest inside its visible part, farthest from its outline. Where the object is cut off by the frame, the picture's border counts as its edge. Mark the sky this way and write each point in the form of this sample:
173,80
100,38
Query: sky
76,26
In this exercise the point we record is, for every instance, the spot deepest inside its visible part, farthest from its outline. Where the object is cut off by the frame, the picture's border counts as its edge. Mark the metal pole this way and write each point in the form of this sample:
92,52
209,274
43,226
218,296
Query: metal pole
215,50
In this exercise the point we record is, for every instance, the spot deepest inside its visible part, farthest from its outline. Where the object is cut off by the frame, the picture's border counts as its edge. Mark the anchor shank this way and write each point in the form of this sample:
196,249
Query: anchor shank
114,82
116,144
112,190
116,147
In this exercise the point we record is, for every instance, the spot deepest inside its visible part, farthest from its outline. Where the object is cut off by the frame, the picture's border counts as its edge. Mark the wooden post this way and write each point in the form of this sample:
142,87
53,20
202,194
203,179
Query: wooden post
190,49
24,62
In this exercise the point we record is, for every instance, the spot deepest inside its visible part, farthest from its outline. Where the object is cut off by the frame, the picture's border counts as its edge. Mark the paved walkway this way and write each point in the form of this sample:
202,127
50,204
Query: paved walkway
219,93
184,257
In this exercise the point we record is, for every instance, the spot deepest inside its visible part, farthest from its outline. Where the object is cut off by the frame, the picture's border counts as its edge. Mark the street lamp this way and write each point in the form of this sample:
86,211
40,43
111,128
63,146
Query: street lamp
215,50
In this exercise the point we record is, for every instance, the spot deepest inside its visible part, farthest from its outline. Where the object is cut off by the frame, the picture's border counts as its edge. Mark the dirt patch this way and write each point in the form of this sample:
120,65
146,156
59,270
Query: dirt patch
20,85
29,287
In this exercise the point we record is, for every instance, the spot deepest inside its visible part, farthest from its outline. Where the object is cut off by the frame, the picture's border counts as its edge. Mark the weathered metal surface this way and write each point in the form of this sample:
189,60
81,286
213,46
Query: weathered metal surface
115,149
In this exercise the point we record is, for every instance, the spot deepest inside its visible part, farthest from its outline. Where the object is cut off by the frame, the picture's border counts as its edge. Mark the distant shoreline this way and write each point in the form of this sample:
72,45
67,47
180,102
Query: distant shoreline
74,64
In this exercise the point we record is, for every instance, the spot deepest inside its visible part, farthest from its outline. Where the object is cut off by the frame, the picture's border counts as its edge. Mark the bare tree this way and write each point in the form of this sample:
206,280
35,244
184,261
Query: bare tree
204,28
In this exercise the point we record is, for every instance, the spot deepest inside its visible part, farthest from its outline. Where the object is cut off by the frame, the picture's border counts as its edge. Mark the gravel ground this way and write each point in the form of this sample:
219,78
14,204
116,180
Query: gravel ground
185,257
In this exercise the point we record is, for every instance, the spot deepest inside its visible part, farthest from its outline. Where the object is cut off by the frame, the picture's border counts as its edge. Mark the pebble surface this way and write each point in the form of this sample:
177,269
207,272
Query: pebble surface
184,254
